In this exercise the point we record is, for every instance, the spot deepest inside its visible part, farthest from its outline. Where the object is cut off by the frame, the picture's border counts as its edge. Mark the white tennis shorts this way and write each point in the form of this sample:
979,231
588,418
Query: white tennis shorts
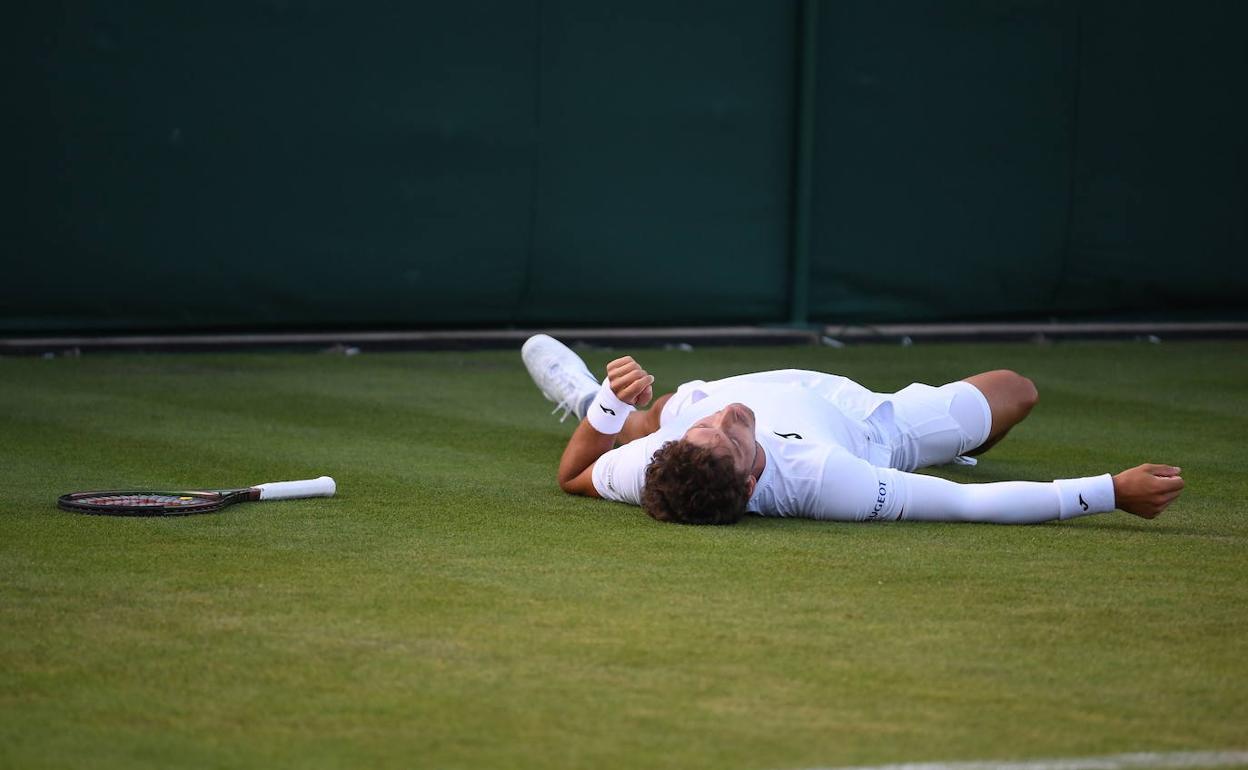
933,425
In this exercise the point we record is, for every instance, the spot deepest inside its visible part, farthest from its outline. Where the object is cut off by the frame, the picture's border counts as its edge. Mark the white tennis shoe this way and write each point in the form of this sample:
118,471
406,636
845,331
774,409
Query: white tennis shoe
560,374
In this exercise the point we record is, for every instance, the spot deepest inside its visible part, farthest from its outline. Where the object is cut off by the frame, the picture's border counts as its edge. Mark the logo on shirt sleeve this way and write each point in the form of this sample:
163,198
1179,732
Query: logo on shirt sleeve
881,498
787,435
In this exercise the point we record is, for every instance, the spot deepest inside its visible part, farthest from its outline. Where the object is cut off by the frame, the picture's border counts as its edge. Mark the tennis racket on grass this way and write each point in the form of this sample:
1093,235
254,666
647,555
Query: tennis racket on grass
131,503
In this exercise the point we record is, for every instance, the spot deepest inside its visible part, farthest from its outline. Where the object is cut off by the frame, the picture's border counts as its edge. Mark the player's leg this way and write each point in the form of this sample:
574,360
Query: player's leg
560,374
1010,396
936,425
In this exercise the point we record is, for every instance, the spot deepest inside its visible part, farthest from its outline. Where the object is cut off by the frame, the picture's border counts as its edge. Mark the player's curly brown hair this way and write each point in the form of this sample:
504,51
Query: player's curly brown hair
688,484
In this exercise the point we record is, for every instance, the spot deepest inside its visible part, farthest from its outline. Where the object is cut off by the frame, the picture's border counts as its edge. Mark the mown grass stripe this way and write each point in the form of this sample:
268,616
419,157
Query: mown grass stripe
1111,762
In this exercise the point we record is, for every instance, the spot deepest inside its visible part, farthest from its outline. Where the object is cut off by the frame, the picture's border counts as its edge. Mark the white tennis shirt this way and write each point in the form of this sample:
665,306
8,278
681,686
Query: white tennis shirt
828,457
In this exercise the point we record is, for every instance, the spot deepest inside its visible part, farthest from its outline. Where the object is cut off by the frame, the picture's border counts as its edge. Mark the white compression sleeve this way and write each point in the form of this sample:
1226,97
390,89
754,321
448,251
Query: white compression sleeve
1005,502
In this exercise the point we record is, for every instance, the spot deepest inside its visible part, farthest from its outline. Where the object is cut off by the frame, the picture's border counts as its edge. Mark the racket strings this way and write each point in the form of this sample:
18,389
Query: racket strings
140,500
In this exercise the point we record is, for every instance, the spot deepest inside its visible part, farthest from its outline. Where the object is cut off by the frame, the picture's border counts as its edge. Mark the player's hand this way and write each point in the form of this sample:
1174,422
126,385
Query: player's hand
630,383
1147,489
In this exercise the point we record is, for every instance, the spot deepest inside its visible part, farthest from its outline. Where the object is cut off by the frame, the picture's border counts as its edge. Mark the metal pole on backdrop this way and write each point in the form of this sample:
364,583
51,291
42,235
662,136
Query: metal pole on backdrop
803,162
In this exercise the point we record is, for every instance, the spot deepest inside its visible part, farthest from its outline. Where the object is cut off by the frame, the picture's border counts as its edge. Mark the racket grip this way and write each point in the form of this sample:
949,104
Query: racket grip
285,490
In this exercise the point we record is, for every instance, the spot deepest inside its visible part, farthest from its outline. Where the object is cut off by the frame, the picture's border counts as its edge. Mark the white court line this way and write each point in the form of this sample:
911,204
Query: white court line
1111,762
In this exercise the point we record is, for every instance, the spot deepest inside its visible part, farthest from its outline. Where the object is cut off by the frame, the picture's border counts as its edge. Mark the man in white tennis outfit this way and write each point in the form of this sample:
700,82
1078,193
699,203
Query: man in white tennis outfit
812,445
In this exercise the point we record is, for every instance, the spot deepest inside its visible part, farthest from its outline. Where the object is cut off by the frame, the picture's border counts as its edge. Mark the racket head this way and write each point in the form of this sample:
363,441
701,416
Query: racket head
149,503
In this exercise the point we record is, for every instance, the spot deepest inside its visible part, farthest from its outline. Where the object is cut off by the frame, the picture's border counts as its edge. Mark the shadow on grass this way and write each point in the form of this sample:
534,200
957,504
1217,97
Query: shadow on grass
756,522
1154,529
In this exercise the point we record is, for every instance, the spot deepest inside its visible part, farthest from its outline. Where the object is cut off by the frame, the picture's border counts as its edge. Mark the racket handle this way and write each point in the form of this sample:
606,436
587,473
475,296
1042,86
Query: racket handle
285,490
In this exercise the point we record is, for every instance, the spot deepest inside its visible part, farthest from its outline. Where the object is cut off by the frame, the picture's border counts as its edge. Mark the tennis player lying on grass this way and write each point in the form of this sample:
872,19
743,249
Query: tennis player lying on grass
801,443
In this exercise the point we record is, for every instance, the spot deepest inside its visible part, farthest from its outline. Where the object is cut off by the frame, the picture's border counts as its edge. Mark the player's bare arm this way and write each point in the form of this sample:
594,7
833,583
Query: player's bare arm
631,385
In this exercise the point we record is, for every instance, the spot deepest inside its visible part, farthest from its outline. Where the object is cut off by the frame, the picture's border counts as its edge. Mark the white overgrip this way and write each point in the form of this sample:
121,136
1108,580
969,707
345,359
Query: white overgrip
286,490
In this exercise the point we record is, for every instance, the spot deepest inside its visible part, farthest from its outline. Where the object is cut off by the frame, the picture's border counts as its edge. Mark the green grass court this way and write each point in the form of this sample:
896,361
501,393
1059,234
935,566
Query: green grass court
451,608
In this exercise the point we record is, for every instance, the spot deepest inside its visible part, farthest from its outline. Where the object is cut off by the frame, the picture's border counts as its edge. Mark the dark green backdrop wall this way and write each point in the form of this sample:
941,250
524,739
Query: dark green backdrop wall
304,163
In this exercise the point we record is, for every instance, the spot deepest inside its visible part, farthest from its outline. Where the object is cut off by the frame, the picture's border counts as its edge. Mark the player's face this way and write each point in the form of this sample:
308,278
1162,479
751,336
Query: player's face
729,431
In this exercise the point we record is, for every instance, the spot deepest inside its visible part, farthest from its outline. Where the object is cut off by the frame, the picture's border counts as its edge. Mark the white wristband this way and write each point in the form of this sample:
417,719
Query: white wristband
607,413
1082,497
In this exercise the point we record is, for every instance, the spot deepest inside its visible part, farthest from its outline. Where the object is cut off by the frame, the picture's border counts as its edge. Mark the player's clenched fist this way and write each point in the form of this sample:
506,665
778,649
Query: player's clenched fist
629,382
1146,490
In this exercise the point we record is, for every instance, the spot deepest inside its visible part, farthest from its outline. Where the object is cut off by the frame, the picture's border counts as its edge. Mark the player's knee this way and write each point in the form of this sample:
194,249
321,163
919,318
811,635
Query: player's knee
1026,396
